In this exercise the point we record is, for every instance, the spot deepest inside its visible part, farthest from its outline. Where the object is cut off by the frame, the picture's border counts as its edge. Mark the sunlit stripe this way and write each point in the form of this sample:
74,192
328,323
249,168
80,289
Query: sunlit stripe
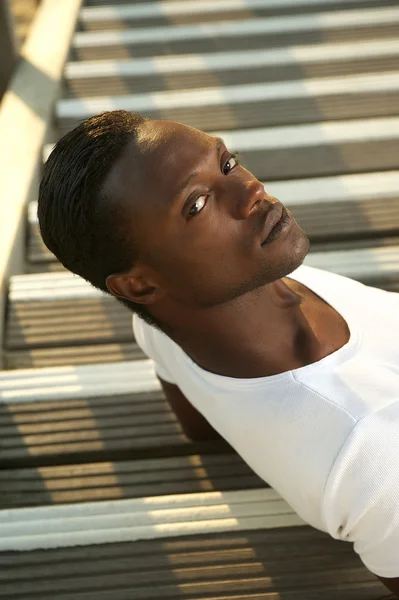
314,134
82,381
231,95
274,25
340,188
220,61
143,518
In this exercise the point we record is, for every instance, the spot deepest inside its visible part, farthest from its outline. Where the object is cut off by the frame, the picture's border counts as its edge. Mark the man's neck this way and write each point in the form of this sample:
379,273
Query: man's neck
256,336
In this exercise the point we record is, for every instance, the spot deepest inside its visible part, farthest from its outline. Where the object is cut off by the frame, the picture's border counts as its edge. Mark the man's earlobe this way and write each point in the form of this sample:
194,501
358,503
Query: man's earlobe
131,288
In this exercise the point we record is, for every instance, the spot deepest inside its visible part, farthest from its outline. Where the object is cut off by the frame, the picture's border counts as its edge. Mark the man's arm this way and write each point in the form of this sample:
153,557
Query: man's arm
391,583
194,425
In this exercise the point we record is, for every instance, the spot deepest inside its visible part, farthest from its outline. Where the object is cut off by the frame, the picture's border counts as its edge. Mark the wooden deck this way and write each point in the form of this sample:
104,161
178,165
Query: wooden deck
103,497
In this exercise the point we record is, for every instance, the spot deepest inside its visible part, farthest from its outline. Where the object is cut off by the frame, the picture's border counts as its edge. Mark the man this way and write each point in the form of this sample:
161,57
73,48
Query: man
297,368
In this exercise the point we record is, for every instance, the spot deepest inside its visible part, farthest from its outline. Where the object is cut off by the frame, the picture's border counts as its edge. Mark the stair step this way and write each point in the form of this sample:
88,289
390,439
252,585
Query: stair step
118,77
253,105
92,482
142,518
152,14
265,26
57,356
58,323
198,8
89,413
88,381
225,35
300,562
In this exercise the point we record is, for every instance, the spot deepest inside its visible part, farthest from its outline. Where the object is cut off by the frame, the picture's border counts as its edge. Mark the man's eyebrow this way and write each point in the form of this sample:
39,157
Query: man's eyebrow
219,144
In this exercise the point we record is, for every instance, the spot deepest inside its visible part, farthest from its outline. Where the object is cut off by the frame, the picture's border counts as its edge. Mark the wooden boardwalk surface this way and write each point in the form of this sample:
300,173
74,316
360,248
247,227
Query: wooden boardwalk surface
103,497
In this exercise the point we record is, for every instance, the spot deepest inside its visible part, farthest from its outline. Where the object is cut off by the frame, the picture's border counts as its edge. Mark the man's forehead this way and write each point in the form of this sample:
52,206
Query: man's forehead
168,151
168,139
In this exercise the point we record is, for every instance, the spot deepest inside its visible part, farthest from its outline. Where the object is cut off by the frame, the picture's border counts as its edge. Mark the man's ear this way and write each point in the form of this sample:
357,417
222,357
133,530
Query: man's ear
133,288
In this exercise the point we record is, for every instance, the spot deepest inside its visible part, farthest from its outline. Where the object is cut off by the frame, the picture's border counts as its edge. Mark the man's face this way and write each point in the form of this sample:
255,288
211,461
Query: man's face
198,217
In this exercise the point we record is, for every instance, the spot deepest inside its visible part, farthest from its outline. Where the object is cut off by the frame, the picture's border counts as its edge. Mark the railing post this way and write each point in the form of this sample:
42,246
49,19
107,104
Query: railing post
8,45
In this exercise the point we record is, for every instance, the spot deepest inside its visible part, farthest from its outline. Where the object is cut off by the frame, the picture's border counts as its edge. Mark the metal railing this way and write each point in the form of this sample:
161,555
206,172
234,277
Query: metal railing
26,112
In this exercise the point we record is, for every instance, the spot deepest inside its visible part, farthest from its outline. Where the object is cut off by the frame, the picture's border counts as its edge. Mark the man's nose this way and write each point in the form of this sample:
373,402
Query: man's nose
252,194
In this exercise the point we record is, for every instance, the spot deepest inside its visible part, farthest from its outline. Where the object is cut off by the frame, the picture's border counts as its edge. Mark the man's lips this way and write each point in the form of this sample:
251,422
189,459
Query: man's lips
273,216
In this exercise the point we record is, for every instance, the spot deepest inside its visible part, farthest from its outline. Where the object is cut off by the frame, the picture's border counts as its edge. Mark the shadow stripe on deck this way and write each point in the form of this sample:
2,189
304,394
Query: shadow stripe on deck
45,485
299,563
82,400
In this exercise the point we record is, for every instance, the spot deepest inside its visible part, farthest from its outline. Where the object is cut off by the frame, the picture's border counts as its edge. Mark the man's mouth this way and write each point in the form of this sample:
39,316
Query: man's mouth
278,220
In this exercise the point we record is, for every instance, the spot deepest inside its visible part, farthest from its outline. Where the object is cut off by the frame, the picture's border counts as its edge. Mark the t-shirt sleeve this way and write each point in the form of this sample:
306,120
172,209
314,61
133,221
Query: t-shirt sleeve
146,340
361,499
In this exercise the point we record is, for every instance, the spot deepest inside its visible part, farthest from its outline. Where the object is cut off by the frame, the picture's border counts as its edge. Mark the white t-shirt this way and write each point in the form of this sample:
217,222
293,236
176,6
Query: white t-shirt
324,436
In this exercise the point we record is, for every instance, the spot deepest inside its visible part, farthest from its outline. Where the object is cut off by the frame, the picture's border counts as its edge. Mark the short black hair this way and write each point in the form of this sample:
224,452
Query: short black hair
78,222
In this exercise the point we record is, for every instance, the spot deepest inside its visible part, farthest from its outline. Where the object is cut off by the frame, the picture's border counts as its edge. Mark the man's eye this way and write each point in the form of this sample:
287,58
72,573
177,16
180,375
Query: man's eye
197,206
230,164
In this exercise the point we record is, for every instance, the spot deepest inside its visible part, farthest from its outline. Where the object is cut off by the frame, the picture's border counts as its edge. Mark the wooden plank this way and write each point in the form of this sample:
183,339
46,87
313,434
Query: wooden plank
197,8
157,66
88,381
82,322
324,160
314,135
253,105
183,552
143,518
324,586
71,355
218,12
270,565
112,77
347,30
117,84
264,26
128,479
47,419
